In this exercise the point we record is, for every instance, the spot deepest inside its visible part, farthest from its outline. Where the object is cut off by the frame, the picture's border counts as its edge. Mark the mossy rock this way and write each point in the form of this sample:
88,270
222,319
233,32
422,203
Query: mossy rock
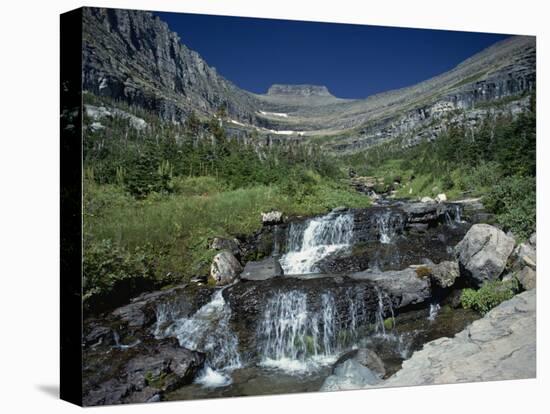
423,272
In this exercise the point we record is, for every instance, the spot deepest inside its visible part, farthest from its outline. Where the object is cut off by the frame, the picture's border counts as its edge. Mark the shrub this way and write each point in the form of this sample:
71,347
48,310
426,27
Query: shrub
513,201
489,295
113,274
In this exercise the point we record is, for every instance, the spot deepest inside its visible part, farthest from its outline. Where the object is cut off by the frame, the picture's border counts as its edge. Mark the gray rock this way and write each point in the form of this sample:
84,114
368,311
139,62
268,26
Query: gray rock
350,375
427,200
272,217
365,357
525,255
424,212
499,346
222,243
527,278
445,273
262,270
153,371
483,252
533,239
225,268
404,286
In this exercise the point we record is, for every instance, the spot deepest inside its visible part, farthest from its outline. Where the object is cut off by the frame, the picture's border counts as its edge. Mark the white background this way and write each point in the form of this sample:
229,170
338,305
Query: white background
29,208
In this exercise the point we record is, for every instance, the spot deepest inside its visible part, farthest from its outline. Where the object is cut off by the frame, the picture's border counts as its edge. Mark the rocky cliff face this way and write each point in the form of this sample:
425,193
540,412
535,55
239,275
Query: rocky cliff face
133,56
298,90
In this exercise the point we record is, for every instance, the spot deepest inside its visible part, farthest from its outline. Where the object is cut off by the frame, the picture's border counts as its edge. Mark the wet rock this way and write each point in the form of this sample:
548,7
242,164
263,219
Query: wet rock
527,278
365,357
262,270
350,375
424,212
445,273
153,369
483,253
225,268
271,218
405,287
221,243
499,346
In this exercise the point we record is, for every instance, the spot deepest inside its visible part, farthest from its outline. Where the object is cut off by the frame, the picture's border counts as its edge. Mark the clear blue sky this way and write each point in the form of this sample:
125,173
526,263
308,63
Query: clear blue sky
353,61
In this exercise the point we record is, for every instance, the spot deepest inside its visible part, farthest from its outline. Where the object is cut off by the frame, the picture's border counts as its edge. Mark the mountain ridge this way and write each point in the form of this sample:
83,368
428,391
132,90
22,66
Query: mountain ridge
134,56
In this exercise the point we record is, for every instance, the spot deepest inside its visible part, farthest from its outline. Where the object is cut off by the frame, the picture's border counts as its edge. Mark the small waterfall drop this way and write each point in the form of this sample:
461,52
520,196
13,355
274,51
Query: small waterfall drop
294,338
207,331
380,325
318,238
388,225
434,310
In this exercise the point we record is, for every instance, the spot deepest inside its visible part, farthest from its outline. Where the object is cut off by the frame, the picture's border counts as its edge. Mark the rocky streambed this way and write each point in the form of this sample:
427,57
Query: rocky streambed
330,302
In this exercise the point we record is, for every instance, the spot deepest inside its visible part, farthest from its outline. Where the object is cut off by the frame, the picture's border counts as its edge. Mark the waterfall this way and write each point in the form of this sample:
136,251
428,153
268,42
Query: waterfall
294,338
457,213
207,331
434,310
388,224
453,217
318,238
380,326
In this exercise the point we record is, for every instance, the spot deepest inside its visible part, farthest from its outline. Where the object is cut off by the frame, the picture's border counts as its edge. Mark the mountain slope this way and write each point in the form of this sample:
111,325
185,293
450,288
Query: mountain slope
133,56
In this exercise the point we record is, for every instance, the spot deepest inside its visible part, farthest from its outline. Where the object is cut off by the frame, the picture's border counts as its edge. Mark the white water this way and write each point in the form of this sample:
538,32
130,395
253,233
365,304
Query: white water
296,339
383,301
434,310
387,225
207,331
321,237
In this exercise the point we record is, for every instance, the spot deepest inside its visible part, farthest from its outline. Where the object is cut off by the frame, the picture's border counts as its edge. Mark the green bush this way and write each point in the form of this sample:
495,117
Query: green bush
513,201
489,295
113,274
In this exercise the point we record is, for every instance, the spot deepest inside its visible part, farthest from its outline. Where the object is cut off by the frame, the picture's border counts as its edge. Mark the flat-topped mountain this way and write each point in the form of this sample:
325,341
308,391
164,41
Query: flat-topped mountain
298,90
133,56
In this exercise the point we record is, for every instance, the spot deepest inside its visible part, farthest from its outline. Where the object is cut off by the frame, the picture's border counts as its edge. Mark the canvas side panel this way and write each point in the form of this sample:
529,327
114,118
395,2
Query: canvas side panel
71,206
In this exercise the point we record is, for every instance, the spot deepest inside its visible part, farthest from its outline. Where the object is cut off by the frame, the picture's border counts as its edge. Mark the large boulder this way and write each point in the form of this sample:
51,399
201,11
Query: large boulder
483,253
262,270
225,268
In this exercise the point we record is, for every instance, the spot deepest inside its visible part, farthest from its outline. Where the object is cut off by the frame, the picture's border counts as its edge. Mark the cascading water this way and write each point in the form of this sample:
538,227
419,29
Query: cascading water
207,331
320,237
388,224
380,326
453,216
434,310
294,338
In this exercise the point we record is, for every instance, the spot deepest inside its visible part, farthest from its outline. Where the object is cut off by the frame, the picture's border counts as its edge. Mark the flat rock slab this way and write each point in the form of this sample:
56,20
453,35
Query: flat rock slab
262,270
404,286
499,346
